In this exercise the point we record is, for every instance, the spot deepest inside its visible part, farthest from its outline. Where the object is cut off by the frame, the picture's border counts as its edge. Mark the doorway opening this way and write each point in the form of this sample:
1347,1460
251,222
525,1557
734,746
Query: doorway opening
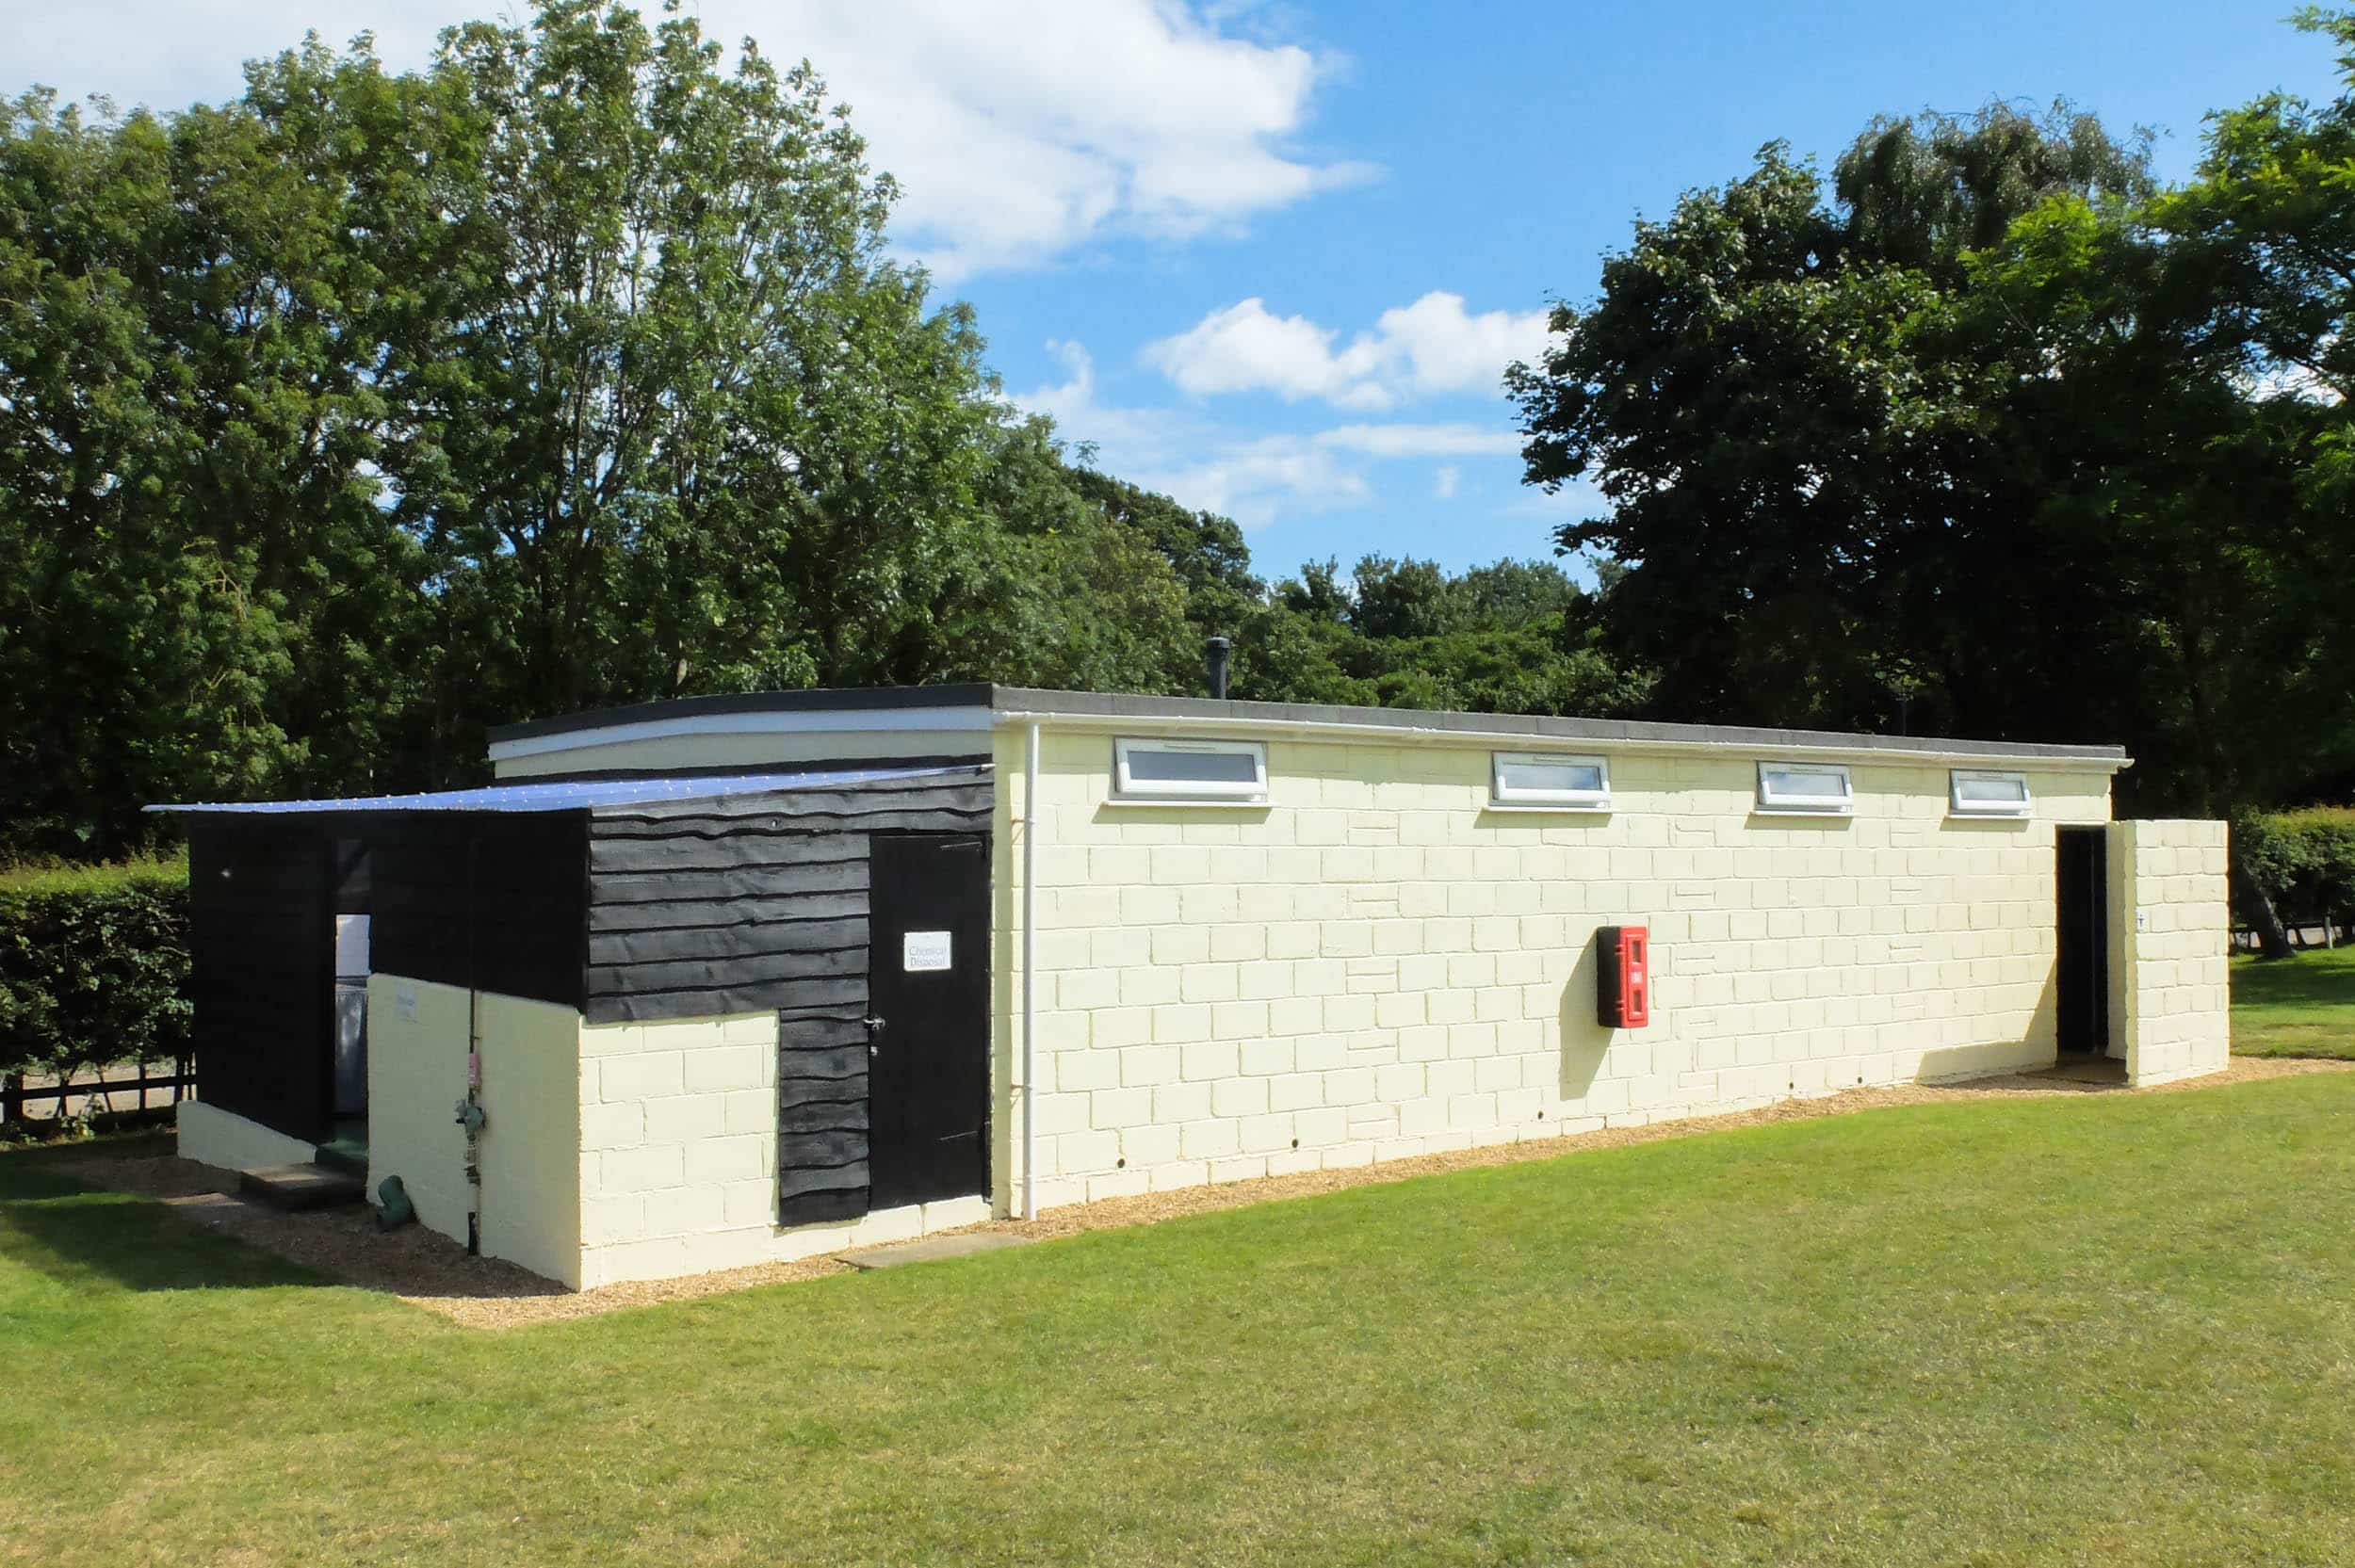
346,1146
2082,960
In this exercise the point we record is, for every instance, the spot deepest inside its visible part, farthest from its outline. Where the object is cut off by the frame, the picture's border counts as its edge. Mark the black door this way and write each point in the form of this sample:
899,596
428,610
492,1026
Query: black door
928,993
2082,967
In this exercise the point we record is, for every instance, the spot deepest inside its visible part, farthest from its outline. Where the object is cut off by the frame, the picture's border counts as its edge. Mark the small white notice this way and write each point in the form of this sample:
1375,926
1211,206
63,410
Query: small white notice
405,1003
922,951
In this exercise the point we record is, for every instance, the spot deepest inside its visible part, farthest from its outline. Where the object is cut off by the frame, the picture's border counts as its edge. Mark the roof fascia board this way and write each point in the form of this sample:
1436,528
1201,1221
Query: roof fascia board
773,721
1813,748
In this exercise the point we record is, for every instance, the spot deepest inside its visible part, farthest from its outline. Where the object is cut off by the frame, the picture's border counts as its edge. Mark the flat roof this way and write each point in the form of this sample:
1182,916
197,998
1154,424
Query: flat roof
571,794
976,706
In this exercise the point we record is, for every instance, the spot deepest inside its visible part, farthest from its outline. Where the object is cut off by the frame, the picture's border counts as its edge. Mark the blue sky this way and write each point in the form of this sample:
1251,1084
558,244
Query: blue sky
1272,258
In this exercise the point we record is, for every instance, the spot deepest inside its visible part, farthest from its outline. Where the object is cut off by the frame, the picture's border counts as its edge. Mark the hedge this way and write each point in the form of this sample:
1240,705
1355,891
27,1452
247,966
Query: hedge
2305,860
93,965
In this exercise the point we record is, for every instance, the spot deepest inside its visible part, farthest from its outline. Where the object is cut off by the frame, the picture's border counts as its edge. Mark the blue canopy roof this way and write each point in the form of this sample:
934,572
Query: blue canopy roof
575,794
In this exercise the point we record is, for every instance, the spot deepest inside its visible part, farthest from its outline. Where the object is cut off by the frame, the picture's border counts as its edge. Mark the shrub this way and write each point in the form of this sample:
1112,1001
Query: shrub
93,965
2305,860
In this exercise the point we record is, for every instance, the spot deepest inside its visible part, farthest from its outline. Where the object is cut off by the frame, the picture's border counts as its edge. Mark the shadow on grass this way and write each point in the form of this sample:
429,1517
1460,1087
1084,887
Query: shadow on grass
57,1227
2311,980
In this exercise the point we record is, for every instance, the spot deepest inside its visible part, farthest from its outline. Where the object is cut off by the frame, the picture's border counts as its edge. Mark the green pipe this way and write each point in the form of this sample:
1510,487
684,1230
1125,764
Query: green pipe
397,1209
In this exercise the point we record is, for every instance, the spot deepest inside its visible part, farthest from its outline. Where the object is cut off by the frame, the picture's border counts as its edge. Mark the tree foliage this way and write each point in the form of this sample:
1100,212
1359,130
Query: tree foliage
1994,426
342,420
1517,637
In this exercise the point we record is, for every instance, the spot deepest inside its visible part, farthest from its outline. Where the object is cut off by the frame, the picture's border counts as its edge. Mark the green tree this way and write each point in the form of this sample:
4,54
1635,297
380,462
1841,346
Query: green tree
1048,589
1782,457
342,420
1743,398
678,424
1923,192
1515,637
1206,550
201,594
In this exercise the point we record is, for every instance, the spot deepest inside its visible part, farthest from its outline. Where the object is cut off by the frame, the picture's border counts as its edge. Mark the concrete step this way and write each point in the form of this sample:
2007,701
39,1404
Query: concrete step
297,1187
350,1159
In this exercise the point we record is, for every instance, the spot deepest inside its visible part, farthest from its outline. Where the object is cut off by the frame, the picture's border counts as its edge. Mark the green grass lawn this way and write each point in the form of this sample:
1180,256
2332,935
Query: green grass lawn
2076,1330
2296,1007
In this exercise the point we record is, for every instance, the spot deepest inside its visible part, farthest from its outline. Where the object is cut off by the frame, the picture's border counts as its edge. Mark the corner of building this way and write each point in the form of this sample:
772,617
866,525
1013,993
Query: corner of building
2170,981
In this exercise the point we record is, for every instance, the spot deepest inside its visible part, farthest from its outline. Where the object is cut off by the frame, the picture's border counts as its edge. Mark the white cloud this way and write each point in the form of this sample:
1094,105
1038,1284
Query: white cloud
1254,477
1432,346
1405,439
1018,129
1443,482
1079,417
1256,480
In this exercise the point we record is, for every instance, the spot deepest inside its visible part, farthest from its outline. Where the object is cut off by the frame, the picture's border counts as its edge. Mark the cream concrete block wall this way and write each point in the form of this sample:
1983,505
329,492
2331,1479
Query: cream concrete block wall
1377,964
529,1198
2170,987
531,1145
678,1156
212,1135
417,1041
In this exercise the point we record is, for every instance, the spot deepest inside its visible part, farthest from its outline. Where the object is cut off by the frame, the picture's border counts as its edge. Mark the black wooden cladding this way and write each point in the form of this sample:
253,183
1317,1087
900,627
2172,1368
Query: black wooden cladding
749,904
821,1114
262,952
487,900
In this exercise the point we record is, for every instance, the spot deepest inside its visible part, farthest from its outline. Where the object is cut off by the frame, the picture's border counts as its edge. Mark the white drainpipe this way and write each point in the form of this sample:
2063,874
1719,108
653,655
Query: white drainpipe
1030,974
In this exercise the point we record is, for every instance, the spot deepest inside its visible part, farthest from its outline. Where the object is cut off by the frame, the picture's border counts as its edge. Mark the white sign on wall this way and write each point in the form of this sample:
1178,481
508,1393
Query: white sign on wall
923,951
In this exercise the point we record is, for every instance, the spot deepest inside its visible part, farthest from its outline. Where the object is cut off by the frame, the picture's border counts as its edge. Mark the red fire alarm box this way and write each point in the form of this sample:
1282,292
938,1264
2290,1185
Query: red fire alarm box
1623,970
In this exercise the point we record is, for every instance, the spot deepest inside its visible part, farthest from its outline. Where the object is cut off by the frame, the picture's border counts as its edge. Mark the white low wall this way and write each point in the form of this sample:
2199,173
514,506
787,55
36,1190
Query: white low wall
216,1136
610,1152
529,1197
2171,982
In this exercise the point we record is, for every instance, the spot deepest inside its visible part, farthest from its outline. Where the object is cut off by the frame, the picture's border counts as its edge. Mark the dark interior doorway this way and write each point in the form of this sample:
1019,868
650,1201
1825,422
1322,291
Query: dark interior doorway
928,1025
2081,966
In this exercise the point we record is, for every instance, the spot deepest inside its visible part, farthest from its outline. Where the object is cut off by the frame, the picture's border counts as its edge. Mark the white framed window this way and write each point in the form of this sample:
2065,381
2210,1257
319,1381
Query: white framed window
1983,792
1805,789
1548,781
1201,772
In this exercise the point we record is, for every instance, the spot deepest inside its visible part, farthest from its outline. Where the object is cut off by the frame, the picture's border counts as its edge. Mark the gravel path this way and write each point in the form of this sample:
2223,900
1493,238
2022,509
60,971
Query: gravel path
430,1271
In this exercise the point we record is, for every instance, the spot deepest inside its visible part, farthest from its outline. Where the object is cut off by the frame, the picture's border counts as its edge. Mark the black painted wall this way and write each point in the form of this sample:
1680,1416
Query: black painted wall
746,903
261,962
489,900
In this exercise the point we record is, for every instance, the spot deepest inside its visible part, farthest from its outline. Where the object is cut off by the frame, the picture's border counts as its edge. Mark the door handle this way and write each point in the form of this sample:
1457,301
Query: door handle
874,1028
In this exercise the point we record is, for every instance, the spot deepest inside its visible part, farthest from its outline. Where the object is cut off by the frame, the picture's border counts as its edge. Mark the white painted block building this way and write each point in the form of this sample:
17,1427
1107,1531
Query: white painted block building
1057,946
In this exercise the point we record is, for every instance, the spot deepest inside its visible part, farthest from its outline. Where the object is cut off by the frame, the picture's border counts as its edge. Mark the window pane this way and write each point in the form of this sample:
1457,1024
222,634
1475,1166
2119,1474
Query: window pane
1154,766
1553,777
1795,784
1999,791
